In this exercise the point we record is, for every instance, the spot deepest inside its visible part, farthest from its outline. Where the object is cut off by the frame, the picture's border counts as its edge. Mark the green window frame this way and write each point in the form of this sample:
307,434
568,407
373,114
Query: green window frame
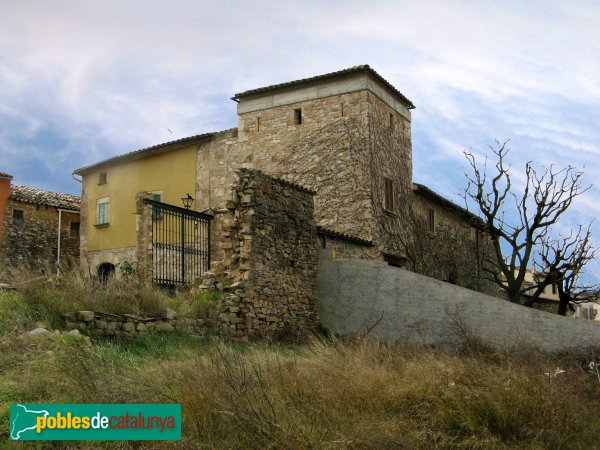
156,213
102,211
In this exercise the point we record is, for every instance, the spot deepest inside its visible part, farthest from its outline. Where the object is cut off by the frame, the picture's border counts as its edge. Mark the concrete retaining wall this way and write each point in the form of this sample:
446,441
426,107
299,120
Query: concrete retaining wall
355,294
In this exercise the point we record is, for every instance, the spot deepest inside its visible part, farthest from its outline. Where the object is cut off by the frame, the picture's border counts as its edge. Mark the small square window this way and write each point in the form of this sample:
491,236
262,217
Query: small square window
102,178
388,194
18,217
298,116
74,230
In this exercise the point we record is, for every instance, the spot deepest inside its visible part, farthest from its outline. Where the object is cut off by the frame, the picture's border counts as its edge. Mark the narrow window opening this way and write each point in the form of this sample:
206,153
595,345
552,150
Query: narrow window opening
258,124
298,116
391,120
431,220
102,178
341,110
74,230
388,194
18,217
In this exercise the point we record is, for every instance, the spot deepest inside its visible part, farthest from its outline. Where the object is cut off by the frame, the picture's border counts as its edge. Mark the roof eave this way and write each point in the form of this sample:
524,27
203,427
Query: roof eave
341,73
423,190
144,153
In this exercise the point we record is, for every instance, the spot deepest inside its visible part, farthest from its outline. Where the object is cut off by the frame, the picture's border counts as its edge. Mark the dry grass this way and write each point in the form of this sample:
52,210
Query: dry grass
328,393
370,395
43,299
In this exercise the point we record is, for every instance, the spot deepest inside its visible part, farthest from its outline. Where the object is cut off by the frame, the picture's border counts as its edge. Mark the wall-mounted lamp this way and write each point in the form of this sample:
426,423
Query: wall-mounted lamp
187,201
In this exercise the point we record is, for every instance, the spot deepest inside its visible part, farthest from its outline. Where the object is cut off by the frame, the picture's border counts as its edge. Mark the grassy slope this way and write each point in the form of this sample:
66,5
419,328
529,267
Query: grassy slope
324,394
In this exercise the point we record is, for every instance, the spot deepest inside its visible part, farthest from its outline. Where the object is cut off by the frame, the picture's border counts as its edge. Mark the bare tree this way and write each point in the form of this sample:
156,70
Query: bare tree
520,225
564,259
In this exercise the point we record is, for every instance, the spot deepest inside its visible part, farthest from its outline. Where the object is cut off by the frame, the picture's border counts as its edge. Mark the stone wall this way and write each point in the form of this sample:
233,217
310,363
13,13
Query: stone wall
356,295
34,243
144,249
325,153
128,325
269,270
341,150
115,256
87,266
449,248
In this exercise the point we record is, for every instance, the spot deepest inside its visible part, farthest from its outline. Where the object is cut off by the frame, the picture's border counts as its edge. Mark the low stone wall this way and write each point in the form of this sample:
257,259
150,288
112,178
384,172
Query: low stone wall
128,325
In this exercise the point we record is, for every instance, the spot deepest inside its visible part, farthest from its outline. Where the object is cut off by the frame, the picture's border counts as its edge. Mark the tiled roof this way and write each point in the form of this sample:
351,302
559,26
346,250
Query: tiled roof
28,194
426,192
5,175
344,236
146,151
365,68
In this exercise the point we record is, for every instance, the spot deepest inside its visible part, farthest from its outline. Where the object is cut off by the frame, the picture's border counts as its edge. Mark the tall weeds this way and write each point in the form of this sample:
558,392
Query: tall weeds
371,395
330,393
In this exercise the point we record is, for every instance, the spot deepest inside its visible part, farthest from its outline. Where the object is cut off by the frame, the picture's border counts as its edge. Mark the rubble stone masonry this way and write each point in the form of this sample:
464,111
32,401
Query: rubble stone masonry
270,247
34,241
343,147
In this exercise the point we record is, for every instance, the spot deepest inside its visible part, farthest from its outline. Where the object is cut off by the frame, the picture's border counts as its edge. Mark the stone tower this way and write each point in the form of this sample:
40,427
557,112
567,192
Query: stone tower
345,135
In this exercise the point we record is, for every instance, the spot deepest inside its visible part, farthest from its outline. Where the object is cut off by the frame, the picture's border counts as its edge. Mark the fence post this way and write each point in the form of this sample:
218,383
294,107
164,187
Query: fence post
144,238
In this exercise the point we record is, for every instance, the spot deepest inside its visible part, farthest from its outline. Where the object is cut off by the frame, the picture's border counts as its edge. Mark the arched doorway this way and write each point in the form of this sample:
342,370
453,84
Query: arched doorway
106,271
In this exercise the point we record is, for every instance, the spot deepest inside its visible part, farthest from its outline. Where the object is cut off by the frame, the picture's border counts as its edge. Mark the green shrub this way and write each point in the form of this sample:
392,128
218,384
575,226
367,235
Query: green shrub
205,305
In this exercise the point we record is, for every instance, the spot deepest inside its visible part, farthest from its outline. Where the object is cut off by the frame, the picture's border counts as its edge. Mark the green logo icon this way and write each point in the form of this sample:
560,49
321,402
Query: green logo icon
95,422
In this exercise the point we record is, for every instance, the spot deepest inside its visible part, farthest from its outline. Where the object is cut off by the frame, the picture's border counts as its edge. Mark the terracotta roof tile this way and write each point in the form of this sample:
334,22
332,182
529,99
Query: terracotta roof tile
28,194
356,69
344,236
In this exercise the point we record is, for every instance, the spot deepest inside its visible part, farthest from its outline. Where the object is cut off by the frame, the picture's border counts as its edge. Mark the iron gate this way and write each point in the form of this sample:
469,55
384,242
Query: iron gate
180,244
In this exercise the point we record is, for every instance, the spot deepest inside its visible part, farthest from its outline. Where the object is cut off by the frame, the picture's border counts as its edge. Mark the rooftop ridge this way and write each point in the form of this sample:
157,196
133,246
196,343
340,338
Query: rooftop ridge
27,194
365,68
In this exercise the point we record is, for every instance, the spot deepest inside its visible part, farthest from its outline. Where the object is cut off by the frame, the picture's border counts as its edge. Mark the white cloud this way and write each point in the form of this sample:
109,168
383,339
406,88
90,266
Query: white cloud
108,77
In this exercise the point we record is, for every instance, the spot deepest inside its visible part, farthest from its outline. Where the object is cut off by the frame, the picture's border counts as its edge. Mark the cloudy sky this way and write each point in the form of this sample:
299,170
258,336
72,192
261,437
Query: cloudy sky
83,81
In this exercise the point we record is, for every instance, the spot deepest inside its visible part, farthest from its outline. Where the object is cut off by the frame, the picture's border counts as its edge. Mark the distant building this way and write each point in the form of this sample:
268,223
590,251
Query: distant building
587,310
37,227
549,298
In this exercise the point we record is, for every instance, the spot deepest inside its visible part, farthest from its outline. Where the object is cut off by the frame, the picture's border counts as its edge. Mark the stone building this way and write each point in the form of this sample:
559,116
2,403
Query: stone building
346,136
38,228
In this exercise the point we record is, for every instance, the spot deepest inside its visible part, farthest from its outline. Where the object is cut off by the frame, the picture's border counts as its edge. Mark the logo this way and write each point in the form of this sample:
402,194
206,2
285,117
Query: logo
95,422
